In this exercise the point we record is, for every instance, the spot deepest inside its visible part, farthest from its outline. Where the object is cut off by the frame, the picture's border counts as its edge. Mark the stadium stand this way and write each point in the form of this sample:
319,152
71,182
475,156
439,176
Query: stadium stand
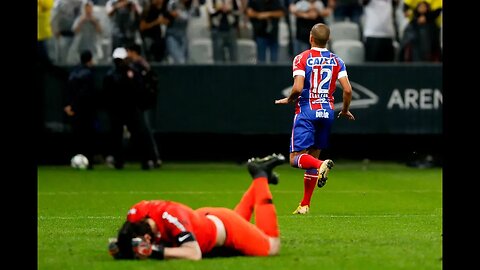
344,30
200,51
106,37
351,51
283,42
247,51
198,27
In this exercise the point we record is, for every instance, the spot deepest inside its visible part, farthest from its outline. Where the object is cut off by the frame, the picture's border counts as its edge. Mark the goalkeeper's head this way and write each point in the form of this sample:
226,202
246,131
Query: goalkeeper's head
121,247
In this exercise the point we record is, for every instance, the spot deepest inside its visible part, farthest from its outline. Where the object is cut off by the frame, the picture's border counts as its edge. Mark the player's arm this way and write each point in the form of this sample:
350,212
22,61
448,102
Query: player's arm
179,228
347,98
298,82
188,250
143,248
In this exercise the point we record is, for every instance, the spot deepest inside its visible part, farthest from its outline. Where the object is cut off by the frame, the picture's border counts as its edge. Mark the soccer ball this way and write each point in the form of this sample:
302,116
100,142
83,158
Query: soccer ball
79,162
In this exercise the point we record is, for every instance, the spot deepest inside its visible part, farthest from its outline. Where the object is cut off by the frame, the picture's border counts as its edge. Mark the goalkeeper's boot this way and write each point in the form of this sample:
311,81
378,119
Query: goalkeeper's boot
323,172
273,178
301,210
262,167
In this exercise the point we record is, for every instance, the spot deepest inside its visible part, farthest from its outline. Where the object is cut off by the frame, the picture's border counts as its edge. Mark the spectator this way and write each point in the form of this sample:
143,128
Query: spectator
44,62
148,100
244,22
125,17
144,3
44,29
264,16
122,88
136,60
163,230
224,19
307,13
81,107
421,36
153,17
379,30
347,9
63,16
179,13
87,30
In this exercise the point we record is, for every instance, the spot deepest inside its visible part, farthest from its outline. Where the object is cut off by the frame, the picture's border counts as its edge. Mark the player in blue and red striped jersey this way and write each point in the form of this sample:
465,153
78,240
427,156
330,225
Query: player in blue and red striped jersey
315,74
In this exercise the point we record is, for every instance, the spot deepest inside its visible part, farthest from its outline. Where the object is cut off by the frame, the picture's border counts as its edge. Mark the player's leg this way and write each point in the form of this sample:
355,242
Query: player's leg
242,236
301,140
309,182
261,239
245,207
265,212
322,139
258,167
305,151
264,209
258,199
310,162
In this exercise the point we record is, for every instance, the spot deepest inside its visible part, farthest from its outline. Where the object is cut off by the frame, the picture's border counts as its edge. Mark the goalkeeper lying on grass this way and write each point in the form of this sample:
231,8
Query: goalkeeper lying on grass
161,229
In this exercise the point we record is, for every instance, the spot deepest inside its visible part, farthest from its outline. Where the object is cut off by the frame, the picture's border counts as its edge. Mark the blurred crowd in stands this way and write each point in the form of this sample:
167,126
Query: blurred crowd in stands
239,31
130,35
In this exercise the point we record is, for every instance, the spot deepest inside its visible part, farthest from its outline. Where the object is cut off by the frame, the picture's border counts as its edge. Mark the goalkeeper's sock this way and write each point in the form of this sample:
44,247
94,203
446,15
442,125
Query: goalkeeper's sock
265,212
245,207
309,182
306,161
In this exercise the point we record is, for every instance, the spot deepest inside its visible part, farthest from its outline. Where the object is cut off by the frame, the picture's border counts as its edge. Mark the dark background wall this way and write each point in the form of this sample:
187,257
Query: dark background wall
222,112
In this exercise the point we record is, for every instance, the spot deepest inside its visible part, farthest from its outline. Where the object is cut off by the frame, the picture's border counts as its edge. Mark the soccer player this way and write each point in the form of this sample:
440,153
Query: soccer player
315,72
161,229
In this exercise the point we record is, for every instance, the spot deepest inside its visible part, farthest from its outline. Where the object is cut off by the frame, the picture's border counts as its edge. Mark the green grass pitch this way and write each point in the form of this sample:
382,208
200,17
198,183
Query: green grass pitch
379,215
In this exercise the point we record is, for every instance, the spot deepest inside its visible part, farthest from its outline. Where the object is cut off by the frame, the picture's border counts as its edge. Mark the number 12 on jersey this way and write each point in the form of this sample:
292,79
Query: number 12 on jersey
326,76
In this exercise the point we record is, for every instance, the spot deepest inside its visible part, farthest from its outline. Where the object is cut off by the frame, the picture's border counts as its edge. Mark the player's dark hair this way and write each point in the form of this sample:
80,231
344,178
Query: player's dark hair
127,232
85,56
321,34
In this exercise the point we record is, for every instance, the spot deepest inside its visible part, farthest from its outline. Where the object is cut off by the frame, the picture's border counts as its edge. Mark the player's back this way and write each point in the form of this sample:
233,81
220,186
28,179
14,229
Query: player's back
173,219
321,69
